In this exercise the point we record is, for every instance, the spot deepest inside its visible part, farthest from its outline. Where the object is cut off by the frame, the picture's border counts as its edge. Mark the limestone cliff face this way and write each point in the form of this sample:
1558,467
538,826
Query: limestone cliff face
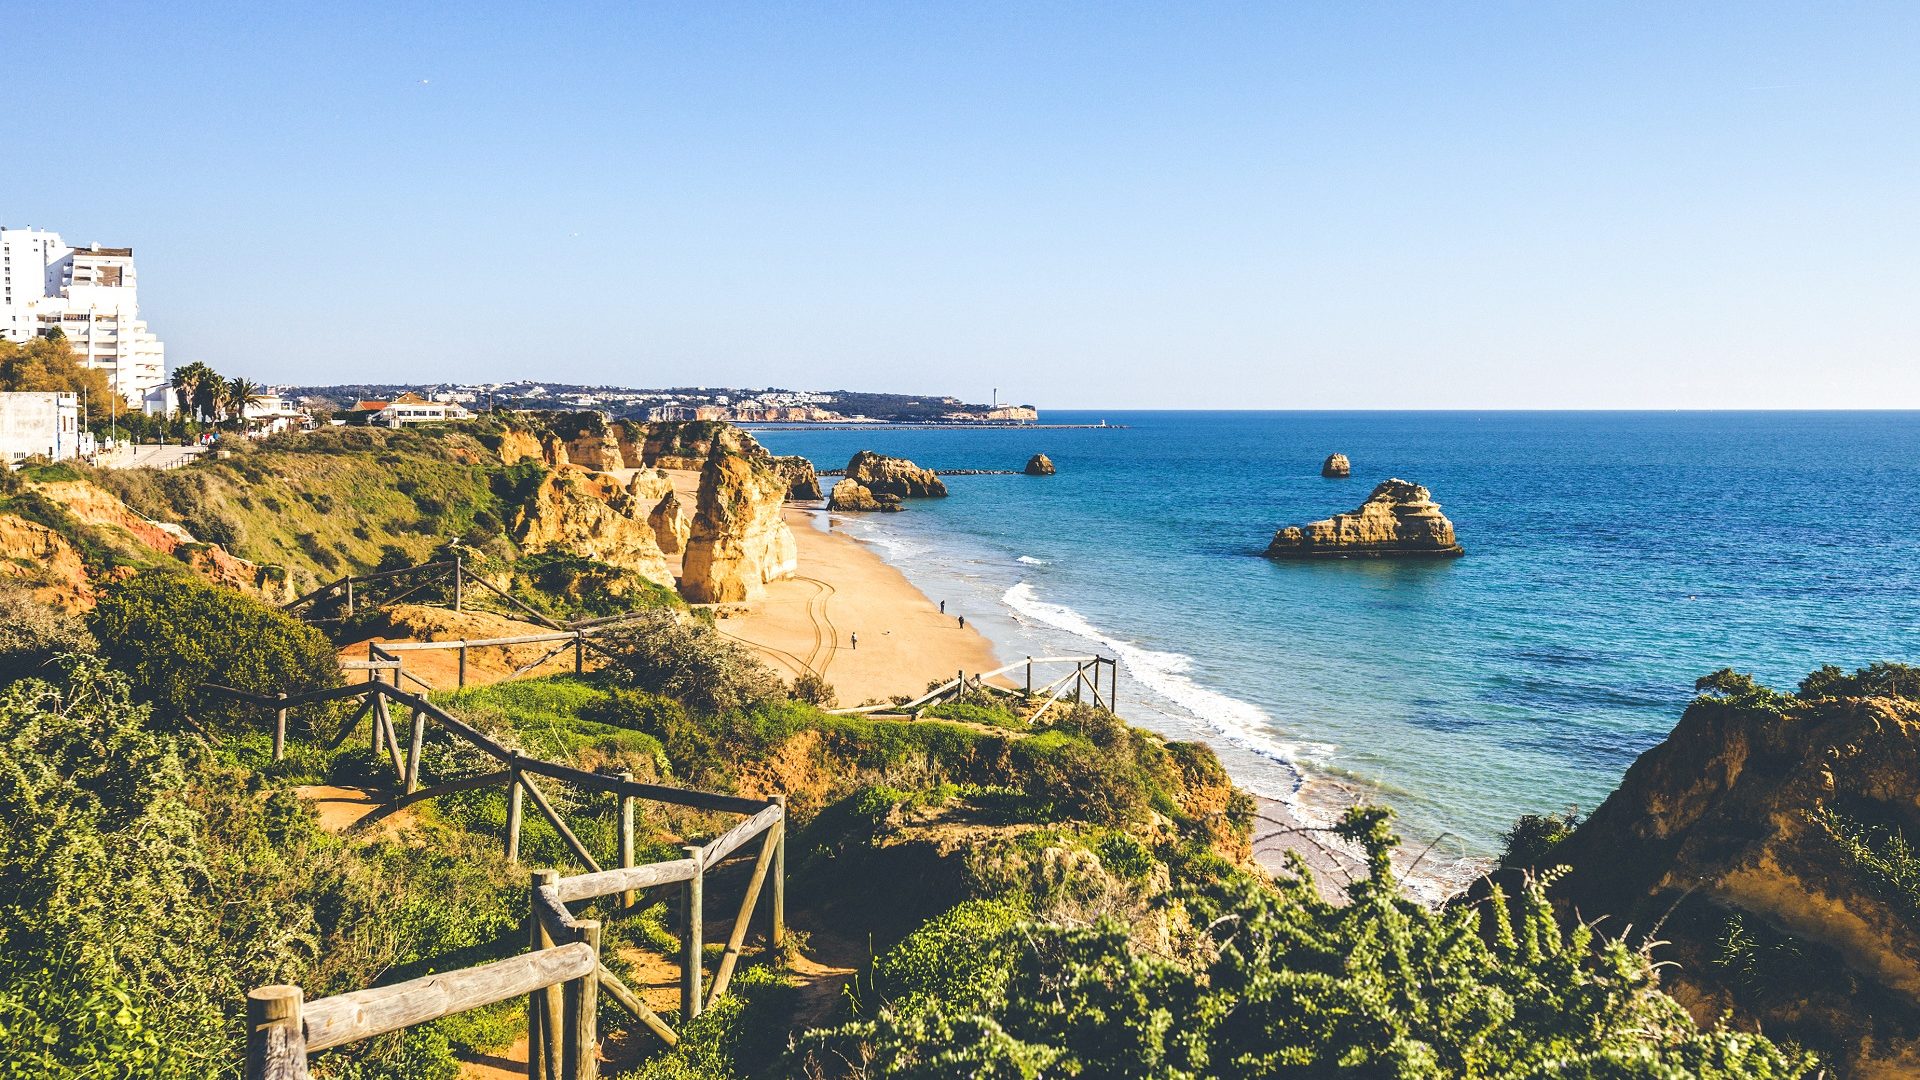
1400,519
518,445
592,514
851,495
738,541
1743,812
116,524
1039,465
687,444
44,559
1336,467
670,525
803,484
884,475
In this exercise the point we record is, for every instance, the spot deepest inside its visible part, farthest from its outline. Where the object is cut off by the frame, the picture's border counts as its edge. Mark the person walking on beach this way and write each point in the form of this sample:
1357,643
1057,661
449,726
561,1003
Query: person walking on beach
963,622
943,607
854,639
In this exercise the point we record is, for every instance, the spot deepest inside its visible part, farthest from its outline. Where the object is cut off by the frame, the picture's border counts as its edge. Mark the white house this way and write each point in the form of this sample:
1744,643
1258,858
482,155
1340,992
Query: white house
91,296
41,423
408,408
270,414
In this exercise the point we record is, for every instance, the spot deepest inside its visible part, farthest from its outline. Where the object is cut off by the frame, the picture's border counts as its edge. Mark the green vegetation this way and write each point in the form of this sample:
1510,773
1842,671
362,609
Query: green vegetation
33,635
1881,854
1276,982
171,632
1530,844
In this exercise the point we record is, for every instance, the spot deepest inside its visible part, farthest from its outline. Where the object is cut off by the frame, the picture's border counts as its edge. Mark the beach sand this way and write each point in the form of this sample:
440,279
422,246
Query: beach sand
842,587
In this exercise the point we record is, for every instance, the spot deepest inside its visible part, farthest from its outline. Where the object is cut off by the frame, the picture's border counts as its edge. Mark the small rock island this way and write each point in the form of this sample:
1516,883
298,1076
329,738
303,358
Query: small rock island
1039,465
894,476
1399,520
851,495
1336,467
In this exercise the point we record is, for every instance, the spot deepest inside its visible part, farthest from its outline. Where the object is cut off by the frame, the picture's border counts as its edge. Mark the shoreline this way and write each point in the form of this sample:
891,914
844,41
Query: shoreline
843,583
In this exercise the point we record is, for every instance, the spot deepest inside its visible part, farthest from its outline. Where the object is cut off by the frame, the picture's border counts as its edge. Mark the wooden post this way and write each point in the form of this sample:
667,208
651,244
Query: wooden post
463,666
723,974
280,729
960,687
539,1026
413,750
583,1012
276,1034
626,838
691,945
579,653
552,1000
778,937
515,793
1029,676
459,581
349,596
1113,686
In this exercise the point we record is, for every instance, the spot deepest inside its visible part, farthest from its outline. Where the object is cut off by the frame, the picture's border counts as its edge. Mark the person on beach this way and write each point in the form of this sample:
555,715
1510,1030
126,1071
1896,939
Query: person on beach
854,640
963,622
943,607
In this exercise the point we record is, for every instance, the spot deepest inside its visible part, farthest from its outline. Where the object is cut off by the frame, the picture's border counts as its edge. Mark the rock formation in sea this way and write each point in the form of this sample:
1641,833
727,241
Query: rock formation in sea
884,475
738,541
850,494
1336,467
1398,520
1761,844
1039,465
803,484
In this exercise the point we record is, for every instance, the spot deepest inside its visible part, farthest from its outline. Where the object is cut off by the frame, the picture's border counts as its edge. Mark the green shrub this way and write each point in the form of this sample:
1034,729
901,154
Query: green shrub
1530,843
664,653
1290,985
815,691
1874,680
171,632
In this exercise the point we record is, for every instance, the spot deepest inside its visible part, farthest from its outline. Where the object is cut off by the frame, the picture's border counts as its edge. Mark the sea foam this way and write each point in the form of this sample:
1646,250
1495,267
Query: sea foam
1166,674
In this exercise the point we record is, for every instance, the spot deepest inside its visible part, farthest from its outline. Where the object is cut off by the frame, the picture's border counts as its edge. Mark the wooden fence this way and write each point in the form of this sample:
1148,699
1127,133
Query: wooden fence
562,974
1082,678
451,572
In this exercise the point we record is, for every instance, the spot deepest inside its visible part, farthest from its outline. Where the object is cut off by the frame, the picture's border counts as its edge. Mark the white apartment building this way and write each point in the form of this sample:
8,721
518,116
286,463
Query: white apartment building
89,294
41,423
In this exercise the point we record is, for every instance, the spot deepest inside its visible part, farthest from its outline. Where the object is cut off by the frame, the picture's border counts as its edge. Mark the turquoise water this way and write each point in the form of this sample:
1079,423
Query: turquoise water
1612,558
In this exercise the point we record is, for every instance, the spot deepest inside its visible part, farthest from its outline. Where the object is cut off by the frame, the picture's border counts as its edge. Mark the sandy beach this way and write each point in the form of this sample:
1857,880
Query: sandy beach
843,588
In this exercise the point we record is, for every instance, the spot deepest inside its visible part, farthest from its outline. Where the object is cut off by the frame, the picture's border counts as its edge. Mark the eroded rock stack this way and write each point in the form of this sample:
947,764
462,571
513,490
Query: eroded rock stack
803,484
1336,467
850,494
592,514
1039,465
738,541
1398,520
670,525
884,475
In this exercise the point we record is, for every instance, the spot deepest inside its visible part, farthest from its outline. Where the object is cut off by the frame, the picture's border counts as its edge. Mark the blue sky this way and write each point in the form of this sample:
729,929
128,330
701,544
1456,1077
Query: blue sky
1109,205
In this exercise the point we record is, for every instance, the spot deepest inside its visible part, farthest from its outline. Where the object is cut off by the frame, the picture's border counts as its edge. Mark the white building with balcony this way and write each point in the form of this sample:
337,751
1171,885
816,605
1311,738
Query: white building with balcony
91,296
46,424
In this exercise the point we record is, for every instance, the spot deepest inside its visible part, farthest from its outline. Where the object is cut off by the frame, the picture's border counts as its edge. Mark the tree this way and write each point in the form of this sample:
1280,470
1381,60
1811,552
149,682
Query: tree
238,392
171,632
49,364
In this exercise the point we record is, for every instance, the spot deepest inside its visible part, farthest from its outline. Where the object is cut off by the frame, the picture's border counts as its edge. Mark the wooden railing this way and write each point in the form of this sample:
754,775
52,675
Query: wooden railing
446,572
562,974
1082,678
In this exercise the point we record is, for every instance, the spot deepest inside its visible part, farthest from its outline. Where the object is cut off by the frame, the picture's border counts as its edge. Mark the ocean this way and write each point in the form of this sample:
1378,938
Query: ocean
1612,559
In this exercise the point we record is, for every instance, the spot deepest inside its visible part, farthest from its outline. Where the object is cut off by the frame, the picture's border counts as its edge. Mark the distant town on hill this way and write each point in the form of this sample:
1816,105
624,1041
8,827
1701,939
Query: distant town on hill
769,405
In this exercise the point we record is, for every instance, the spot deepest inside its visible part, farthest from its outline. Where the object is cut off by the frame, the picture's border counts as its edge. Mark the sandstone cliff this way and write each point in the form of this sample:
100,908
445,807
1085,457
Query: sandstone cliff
803,484
884,475
1765,844
1400,519
591,514
50,559
670,525
738,540
1336,467
851,495
1039,465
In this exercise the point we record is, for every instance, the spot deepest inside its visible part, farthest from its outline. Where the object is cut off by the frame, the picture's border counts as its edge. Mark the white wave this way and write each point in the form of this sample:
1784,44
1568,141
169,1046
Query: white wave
1030,560
1246,725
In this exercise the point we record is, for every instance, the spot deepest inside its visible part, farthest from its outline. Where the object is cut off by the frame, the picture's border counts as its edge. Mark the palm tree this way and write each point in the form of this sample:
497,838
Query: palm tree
197,389
239,391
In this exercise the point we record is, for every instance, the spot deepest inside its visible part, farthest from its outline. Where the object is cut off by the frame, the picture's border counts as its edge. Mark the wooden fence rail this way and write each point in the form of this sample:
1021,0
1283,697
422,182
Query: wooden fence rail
561,974
1084,676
